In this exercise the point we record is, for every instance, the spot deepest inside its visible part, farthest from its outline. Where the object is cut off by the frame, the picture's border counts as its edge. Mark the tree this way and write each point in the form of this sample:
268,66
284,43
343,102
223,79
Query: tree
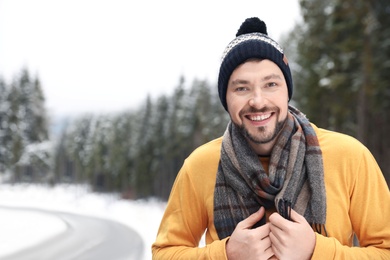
4,107
122,156
138,153
14,141
342,53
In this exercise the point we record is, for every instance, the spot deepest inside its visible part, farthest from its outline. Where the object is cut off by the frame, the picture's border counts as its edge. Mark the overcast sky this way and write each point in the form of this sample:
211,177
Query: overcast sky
107,55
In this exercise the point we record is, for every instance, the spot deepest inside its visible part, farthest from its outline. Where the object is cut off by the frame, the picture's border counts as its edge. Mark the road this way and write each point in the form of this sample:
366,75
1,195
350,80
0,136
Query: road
86,238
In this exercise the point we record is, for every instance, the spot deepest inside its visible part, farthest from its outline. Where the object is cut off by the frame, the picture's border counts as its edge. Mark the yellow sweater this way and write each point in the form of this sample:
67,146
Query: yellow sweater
357,196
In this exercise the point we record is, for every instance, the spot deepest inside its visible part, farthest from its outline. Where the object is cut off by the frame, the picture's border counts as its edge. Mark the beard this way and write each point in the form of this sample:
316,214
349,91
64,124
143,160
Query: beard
262,135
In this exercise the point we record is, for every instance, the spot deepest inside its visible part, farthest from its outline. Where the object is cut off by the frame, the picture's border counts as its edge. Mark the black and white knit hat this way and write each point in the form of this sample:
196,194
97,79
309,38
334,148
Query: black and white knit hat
251,41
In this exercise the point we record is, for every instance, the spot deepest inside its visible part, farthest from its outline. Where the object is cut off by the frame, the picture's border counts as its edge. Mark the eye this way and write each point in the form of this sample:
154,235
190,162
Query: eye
272,84
240,89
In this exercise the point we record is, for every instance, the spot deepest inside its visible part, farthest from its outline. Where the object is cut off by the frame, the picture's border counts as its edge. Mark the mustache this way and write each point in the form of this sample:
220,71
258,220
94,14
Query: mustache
262,110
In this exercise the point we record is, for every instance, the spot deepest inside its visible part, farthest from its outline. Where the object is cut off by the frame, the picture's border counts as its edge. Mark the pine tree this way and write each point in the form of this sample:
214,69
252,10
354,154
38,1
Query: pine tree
144,149
14,141
376,71
38,117
4,107
78,145
341,69
29,116
122,153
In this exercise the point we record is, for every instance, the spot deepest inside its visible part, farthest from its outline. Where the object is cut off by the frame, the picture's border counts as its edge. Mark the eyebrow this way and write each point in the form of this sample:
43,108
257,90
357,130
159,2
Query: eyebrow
268,77
239,81
272,76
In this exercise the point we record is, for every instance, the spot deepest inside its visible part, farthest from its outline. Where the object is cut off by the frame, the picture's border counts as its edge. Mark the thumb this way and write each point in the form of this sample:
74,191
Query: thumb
250,221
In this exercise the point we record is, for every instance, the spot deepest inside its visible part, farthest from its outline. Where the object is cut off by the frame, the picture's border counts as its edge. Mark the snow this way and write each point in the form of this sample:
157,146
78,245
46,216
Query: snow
21,229
16,232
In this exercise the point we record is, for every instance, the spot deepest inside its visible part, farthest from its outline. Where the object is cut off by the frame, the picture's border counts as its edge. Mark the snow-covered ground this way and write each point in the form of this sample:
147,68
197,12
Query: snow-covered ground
22,229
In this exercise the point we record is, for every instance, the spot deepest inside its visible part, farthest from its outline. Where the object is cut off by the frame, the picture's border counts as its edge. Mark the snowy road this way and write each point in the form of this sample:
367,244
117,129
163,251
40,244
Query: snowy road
83,238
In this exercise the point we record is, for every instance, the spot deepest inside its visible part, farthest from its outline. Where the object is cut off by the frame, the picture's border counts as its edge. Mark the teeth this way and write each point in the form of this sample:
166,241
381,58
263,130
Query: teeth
260,117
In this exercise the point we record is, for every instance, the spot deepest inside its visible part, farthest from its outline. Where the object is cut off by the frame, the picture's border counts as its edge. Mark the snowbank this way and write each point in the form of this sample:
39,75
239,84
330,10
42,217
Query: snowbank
22,229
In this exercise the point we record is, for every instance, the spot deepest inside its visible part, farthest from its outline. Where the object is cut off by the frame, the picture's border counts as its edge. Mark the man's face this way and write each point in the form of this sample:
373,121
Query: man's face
257,100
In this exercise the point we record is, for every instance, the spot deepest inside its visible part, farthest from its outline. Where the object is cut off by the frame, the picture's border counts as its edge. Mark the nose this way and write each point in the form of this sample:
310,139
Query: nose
257,99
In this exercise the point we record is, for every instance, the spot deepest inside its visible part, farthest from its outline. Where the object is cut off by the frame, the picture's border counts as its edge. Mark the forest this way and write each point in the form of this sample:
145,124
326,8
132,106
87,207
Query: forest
340,60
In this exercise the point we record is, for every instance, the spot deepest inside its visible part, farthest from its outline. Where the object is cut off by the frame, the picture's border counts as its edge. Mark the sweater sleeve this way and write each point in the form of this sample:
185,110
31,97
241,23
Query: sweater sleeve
184,222
369,214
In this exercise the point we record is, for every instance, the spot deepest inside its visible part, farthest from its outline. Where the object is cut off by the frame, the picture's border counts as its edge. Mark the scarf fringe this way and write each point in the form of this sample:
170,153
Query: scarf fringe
284,208
285,211
320,229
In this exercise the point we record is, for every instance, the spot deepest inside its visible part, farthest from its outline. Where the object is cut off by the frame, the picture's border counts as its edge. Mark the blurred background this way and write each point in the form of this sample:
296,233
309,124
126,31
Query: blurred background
114,95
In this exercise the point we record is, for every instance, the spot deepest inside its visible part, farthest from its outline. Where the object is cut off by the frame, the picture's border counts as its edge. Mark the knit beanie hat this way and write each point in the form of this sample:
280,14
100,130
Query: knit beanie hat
251,41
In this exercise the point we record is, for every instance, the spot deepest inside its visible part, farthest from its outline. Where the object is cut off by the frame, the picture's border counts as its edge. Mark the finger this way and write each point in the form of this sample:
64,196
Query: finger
266,242
276,244
262,231
252,219
275,235
266,247
296,217
276,220
275,217
276,251
269,253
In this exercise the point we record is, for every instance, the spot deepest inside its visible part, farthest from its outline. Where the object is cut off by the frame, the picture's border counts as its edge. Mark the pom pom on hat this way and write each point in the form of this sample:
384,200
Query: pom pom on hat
252,25
251,41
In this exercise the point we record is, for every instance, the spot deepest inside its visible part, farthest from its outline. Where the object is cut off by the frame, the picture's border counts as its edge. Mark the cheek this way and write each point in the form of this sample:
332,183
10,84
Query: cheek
234,108
284,110
282,103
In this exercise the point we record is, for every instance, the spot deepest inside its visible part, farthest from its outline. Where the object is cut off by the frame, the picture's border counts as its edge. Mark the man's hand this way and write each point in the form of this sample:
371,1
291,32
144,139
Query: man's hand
247,243
291,239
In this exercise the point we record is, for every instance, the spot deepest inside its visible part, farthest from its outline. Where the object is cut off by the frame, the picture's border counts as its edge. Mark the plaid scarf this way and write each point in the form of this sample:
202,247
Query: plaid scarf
295,179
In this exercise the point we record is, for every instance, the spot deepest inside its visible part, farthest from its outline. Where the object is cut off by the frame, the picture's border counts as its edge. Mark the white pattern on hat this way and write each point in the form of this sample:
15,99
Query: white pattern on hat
247,37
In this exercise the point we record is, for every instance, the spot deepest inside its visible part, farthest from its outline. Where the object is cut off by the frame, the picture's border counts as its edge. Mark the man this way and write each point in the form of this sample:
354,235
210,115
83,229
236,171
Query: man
274,186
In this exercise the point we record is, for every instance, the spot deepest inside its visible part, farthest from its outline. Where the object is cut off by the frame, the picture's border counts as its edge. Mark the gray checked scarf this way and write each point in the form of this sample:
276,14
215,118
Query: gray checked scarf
295,179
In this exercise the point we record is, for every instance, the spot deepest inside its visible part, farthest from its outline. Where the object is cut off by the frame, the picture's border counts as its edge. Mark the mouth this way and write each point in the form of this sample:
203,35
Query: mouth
259,118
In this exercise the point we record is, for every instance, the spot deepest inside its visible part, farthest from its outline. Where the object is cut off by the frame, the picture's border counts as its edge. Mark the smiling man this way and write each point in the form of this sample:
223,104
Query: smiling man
257,92
275,186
